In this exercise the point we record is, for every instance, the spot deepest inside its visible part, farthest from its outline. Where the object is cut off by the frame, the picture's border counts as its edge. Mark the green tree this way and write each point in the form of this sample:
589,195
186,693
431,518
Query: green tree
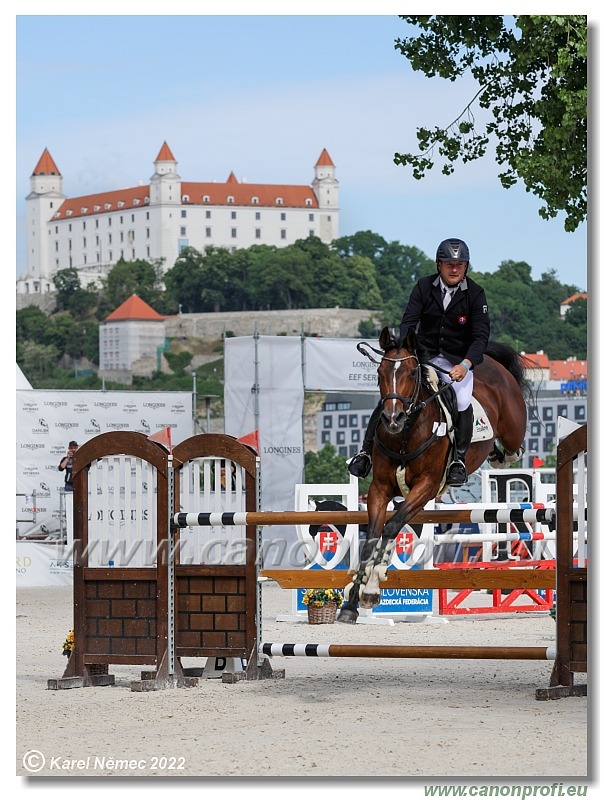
71,296
325,466
31,324
531,75
184,282
131,277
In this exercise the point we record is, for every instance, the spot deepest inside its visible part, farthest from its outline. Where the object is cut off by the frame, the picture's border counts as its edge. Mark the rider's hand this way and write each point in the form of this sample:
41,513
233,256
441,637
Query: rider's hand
458,372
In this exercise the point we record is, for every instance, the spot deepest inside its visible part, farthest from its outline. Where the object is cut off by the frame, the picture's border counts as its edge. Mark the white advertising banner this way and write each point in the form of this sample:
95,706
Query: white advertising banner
264,391
335,365
42,565
47,420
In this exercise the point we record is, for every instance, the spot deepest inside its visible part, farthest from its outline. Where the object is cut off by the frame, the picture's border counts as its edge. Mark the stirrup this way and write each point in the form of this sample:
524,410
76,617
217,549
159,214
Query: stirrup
457,475
360,465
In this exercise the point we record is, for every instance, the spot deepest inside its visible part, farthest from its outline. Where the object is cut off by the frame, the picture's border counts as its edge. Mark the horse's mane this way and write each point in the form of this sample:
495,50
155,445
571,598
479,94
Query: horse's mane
515,363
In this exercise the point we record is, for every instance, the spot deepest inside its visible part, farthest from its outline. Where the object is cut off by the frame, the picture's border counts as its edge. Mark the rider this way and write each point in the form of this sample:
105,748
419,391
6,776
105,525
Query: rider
450,313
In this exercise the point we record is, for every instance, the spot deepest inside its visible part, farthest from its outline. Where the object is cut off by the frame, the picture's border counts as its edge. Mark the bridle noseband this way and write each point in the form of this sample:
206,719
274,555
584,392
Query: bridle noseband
409,403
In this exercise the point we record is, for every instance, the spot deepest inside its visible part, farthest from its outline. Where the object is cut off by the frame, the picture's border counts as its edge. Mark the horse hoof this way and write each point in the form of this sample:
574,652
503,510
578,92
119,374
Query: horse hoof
348,616
369,600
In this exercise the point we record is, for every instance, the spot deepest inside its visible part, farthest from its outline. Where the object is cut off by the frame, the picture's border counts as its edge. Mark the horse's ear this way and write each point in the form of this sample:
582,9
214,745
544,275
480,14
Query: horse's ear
386,339
410,342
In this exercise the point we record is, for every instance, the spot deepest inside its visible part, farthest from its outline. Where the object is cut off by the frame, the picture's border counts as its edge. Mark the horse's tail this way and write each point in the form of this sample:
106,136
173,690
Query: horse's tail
515,363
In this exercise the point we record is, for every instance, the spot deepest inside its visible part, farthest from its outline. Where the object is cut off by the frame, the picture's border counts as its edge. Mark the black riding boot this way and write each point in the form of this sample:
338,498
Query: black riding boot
360,465
457,475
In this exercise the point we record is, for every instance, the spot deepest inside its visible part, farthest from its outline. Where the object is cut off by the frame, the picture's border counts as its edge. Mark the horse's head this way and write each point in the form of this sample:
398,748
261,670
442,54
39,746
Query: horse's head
399,378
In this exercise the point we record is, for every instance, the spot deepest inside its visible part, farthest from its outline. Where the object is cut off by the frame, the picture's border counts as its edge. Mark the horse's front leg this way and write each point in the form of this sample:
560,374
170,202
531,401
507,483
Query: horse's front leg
376,570
377,505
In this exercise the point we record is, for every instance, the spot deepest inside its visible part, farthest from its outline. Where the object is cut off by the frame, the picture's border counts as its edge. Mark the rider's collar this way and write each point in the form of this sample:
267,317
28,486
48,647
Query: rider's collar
463,284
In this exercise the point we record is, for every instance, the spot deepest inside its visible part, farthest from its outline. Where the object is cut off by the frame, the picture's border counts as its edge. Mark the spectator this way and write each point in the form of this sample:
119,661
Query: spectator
65,465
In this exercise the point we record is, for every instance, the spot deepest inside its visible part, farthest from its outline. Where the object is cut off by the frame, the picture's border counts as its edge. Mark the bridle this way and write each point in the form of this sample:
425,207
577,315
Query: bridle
410,404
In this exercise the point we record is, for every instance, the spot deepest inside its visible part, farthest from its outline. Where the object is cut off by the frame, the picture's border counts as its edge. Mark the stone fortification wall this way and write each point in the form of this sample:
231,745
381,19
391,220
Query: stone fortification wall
327,322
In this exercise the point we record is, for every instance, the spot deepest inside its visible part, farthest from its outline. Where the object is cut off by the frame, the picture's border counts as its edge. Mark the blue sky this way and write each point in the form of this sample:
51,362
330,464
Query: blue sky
262,95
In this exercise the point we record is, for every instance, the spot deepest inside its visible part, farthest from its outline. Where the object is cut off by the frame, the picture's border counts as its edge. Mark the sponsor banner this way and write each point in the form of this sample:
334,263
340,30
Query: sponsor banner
47,420
264,392
335,365
42,565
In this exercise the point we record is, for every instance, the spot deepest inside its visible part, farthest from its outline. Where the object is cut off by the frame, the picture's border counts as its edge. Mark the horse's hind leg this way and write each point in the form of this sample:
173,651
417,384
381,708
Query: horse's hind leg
498,458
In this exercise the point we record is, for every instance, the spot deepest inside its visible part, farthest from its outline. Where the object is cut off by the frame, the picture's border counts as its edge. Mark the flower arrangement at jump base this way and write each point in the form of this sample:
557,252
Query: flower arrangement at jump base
322,605
68,644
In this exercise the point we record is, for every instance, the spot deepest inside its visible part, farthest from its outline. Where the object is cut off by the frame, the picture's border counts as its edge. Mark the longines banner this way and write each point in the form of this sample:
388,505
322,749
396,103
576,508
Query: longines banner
265,378
47,420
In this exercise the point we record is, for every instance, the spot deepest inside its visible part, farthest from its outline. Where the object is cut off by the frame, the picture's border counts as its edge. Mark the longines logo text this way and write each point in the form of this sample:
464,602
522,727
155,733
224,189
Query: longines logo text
106,404
282,451
55,403
154,405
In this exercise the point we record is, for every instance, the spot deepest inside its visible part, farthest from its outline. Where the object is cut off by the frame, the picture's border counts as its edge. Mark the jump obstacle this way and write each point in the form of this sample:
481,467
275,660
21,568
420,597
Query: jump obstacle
157,615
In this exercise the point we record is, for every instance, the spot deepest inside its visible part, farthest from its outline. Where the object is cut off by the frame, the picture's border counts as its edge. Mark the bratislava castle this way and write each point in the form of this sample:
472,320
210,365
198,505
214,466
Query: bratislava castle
155,222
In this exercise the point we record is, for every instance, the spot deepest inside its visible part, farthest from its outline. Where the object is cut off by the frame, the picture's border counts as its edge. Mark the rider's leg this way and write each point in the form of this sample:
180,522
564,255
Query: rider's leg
360,465
457,474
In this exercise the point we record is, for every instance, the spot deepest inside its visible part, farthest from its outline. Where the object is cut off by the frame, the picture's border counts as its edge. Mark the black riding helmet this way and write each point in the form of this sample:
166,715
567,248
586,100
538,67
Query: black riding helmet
452,250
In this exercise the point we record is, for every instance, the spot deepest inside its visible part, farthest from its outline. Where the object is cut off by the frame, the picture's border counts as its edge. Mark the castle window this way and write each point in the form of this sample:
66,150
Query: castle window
308,201
107,206
206,198
97,208
120,203
254,201
230,199
136,201
83,210
279,201
185,199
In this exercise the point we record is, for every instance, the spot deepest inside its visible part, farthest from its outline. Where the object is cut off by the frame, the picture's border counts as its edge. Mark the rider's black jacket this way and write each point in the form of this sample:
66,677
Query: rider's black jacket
461,331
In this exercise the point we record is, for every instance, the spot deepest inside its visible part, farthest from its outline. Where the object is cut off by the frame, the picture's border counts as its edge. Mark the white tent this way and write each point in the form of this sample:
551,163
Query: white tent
22,382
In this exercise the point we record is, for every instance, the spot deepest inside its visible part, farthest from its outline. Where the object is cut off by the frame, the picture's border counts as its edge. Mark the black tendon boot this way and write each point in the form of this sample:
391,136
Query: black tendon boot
457,475
360,465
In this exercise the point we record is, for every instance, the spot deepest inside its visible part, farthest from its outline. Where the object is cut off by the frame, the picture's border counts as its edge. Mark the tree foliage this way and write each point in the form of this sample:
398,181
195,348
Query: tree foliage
531,76
359,271
325,466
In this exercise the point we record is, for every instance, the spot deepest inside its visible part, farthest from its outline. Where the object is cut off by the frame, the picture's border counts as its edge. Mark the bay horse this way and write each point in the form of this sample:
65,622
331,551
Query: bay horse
411,439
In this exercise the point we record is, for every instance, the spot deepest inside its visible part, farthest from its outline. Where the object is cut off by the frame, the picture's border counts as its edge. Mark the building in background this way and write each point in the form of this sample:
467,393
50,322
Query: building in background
559,390
132,340
156,221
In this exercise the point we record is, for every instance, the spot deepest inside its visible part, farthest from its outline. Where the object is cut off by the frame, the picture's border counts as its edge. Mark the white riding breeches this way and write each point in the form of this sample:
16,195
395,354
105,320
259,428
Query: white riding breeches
463,389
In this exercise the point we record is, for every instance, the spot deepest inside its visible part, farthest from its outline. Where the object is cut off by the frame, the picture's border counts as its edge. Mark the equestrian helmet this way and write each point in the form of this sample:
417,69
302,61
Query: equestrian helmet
452,250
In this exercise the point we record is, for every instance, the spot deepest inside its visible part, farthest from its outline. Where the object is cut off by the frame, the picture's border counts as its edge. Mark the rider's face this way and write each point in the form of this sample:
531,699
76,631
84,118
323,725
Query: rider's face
452,272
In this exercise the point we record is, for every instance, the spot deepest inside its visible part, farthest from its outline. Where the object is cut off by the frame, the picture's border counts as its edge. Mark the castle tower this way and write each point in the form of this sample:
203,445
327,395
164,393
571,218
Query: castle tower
44,199
326,189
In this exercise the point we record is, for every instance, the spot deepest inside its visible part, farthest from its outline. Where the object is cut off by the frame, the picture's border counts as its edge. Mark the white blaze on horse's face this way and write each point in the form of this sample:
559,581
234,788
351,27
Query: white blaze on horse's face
396,404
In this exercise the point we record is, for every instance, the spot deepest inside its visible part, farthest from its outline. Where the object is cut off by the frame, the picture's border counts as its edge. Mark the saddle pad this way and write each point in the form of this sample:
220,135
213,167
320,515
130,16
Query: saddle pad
482,427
